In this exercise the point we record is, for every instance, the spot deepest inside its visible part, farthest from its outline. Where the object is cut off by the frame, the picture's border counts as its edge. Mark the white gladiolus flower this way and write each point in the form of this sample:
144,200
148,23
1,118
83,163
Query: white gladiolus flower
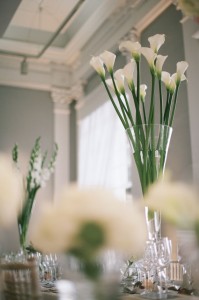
11,192
108,59
128,72
37,163
156,41
59,227
159,64
177,202
143,88
150,56
133,47
98,65
181,68
119,76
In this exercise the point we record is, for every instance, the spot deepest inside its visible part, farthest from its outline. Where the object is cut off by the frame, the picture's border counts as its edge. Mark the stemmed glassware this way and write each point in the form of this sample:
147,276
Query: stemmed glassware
154,268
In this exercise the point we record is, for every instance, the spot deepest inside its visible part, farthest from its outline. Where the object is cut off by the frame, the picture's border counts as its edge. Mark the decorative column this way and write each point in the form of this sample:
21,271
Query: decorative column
65,134
61,99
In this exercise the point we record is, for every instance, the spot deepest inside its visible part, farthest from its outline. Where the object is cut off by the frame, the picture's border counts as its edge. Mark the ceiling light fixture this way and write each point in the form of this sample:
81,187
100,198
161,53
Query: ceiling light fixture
24,66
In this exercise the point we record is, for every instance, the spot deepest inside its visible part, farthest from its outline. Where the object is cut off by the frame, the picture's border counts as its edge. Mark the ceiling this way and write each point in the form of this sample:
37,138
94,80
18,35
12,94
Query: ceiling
65,33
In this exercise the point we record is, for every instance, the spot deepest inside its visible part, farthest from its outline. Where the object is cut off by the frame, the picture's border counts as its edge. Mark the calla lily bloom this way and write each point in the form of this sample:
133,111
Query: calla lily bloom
150,56
128,72
133,47
169,81
159,64
181,68
108,59
98,65
119,76
156,41
143,88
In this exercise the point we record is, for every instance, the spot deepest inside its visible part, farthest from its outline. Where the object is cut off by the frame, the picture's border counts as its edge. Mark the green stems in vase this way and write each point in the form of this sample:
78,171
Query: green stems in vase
36,178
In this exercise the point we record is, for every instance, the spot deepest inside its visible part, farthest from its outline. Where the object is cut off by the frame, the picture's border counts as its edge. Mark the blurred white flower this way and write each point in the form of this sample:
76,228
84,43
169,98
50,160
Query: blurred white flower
11,191
177,202
60,225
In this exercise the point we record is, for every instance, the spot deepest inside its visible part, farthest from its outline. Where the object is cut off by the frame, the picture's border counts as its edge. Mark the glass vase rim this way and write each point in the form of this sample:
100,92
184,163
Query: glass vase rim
152,124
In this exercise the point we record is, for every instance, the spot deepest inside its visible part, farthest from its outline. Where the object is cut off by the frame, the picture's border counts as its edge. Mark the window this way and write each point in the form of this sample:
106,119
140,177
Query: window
103,151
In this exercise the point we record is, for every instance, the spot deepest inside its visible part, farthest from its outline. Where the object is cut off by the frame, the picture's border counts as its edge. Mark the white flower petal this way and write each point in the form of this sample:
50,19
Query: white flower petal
149,54
98,65
159,63
108,59
156,41
119,76
133,47
128,72
181,68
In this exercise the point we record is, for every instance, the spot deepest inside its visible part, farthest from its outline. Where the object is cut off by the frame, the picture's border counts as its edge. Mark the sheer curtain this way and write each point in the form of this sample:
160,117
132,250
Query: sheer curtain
103,151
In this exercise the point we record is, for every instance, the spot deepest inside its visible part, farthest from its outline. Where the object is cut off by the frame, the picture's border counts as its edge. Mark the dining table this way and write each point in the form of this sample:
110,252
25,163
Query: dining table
55,296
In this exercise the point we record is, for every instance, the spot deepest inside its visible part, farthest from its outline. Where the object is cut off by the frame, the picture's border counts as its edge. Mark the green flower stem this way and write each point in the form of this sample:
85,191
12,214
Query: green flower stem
161,101
129,110
168,108
119,100
174,104
138,121
24,217
114,105
144,112
151,110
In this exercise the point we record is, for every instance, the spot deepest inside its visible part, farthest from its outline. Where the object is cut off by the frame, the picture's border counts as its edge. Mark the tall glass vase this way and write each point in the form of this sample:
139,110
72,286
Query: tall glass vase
149,143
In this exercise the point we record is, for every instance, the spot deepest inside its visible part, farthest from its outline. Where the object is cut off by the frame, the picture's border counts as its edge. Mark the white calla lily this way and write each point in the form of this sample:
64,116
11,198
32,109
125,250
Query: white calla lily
108,59
119,76
166,78
156,41
133,47
98,65
143,88
128,72
169,81
150,56
181,68
159,64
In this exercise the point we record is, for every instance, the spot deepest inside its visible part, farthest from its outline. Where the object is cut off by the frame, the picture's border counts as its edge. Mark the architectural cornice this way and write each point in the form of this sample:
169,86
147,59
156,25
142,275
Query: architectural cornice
65,68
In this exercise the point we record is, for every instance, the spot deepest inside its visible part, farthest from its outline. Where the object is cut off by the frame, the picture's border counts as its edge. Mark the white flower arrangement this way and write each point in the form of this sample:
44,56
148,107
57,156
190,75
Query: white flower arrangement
11,190
177,201
36,178
87,222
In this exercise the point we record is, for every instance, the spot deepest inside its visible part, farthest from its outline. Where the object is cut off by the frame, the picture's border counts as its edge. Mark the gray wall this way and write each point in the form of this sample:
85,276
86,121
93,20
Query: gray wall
25,115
